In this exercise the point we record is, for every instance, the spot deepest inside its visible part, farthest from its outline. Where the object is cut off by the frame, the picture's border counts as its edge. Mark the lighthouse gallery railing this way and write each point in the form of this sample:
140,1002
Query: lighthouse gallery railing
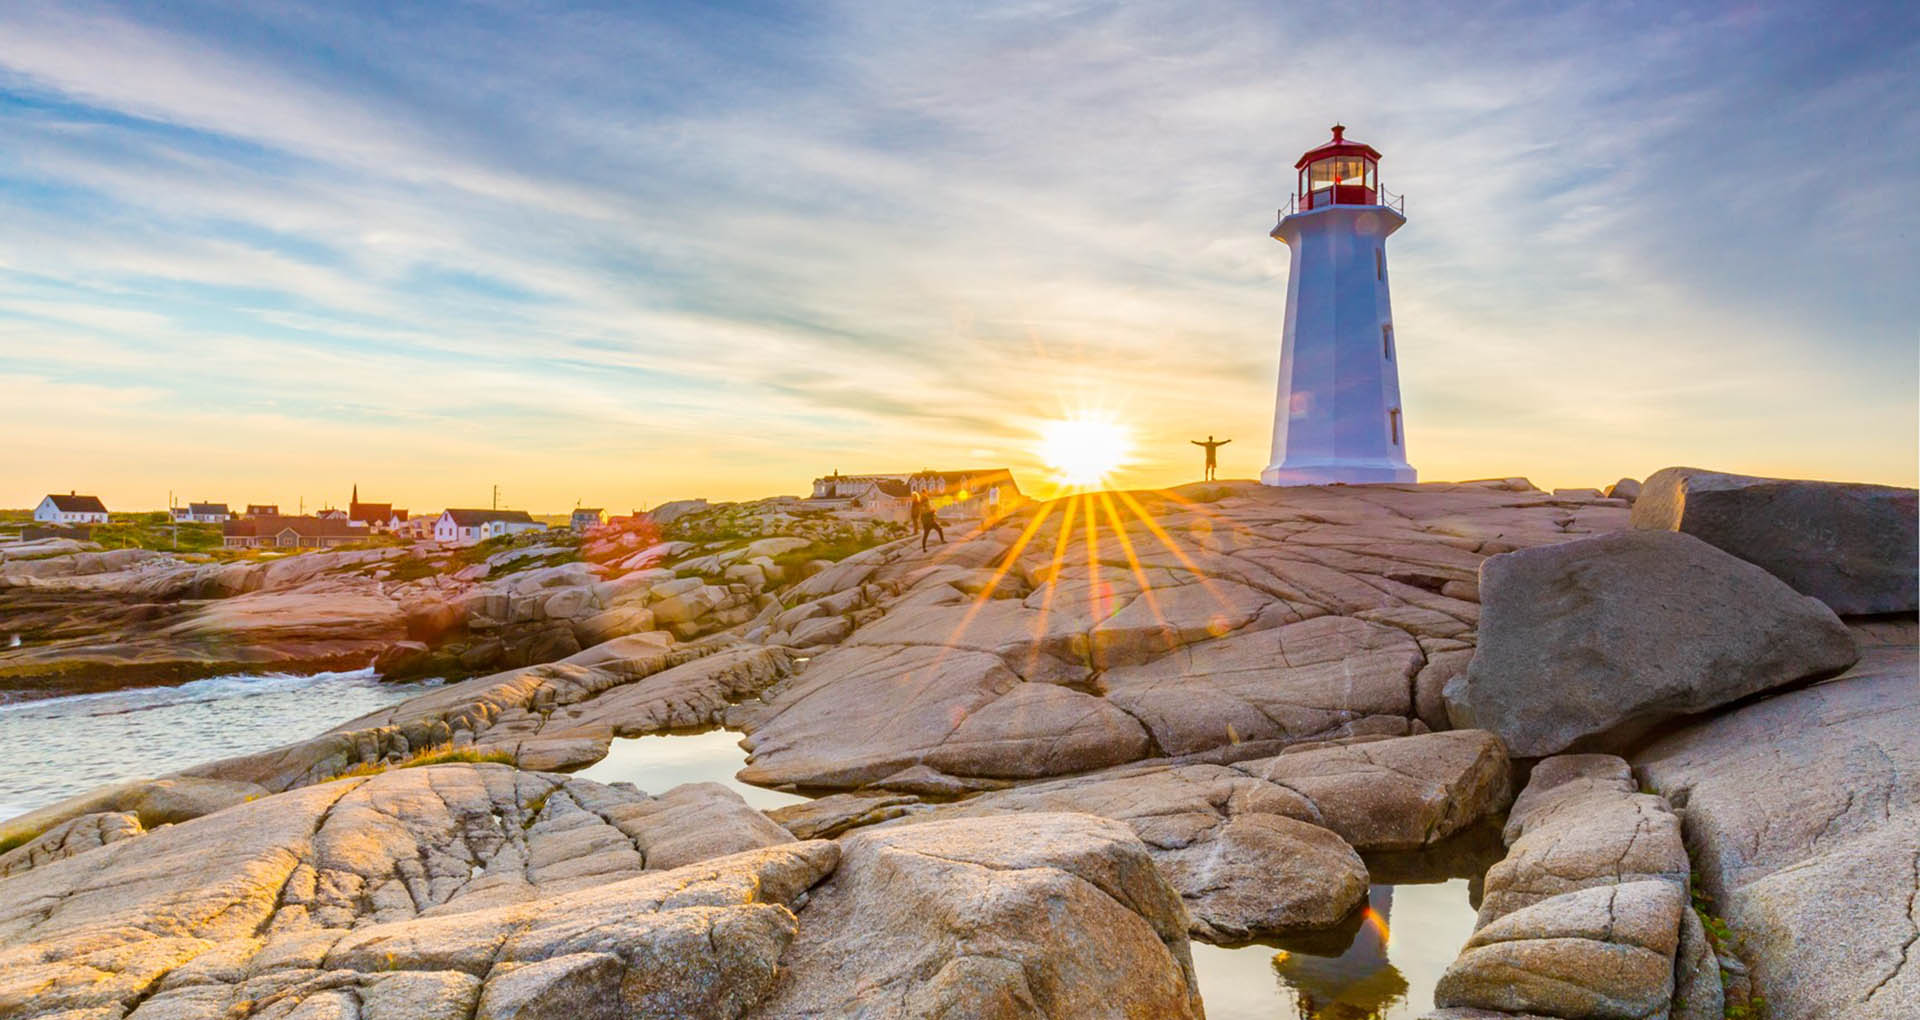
1326,197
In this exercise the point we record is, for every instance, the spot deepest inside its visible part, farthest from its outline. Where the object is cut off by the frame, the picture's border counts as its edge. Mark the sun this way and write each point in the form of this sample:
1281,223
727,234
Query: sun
1083,450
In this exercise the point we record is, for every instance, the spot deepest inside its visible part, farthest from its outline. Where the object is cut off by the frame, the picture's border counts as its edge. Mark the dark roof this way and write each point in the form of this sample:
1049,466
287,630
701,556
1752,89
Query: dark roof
305,527
369,512
893,488
263,509
470,518
577,511
72,504
399,515
1339,146
207,508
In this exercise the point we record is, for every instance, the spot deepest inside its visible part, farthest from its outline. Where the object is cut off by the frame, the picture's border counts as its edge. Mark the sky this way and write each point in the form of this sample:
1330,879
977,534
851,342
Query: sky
625,253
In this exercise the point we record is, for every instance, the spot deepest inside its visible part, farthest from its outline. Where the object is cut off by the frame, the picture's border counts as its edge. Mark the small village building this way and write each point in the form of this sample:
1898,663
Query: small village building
70,509
262,510
839,486
469,527
332,514
884,499
289,533
202,513
414,529
984,493
376,516
585,517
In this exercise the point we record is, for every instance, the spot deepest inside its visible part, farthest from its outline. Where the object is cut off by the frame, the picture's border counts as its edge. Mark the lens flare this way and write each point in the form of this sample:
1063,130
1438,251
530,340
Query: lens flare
1083,451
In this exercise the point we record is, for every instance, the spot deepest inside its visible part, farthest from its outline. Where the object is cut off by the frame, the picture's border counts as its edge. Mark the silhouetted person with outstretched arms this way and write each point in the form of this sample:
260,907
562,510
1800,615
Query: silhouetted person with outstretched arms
1211,445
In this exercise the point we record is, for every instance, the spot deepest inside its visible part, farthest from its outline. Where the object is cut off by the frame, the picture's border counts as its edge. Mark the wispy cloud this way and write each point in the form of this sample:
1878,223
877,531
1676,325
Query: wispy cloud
636,254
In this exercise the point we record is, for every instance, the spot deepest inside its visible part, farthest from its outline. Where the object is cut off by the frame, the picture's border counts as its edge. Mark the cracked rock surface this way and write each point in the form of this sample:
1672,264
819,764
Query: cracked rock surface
458,891
1802,813
1585,917
1088,633
1267,846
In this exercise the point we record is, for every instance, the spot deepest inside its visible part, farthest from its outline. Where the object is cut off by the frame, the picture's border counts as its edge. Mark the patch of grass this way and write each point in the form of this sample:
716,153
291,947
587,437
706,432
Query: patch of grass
1726,942
443,756
533,809
413,568
156,530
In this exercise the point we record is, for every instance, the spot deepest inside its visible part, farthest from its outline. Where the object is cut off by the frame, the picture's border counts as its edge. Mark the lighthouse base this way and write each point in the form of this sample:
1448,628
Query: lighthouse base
1362,472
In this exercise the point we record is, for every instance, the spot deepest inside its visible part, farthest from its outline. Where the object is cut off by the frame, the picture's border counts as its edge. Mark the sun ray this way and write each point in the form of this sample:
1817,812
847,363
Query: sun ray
986,593
1139,574
1094,580
1206,511
1053,581
1173,546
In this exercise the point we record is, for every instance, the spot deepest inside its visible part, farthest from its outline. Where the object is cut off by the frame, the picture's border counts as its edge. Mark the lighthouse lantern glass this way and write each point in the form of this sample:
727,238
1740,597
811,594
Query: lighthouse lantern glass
1339,180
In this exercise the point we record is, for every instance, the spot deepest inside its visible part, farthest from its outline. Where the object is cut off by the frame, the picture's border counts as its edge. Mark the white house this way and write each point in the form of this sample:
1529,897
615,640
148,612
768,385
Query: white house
469,527
71,509
202,513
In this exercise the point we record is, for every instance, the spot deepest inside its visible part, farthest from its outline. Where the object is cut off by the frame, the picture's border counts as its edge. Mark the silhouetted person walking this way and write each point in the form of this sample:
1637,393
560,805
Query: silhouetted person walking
1211,445
927,521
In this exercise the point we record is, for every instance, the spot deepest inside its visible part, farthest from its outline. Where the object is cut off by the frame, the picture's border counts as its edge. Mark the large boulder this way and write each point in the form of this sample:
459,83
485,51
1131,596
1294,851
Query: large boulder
1595,641
1048,915
1849,545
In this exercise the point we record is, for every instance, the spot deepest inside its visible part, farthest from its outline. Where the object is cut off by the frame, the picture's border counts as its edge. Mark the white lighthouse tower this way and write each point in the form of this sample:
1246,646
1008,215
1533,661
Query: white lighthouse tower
1337,417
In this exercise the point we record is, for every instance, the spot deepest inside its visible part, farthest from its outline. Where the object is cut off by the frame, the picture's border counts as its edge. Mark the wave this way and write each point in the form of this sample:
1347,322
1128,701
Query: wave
213,688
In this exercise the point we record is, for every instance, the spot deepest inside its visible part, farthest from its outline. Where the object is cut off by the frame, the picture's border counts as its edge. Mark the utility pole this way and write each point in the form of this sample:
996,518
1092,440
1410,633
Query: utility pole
496,496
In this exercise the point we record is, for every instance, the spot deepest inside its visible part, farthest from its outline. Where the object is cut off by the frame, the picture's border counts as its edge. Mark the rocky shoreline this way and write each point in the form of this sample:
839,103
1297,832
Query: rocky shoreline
1043,756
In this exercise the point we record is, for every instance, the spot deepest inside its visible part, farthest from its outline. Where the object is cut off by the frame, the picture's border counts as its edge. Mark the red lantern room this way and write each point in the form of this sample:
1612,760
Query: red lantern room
1338,173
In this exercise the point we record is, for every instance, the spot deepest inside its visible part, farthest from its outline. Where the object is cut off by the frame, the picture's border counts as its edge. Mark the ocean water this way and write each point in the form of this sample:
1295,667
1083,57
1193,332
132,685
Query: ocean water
660,763
57,747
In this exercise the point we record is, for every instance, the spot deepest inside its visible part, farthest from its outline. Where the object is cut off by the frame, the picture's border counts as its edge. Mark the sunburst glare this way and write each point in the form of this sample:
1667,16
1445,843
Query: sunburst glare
1082,451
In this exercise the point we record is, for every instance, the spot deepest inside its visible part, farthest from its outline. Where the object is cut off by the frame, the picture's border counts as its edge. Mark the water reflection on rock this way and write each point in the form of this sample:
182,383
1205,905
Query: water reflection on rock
1358,984
1380,963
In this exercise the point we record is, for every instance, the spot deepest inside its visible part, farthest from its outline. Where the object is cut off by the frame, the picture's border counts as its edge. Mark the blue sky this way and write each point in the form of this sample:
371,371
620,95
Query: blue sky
628,253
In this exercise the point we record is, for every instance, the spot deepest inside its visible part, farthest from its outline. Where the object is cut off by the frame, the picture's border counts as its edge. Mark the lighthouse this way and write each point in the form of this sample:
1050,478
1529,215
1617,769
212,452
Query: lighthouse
1337,417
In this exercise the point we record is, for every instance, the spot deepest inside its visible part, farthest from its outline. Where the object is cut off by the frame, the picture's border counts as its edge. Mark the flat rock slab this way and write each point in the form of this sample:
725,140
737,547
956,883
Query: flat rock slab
290,875
1595,641
482,891
1803,817
1094,631
1852,546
